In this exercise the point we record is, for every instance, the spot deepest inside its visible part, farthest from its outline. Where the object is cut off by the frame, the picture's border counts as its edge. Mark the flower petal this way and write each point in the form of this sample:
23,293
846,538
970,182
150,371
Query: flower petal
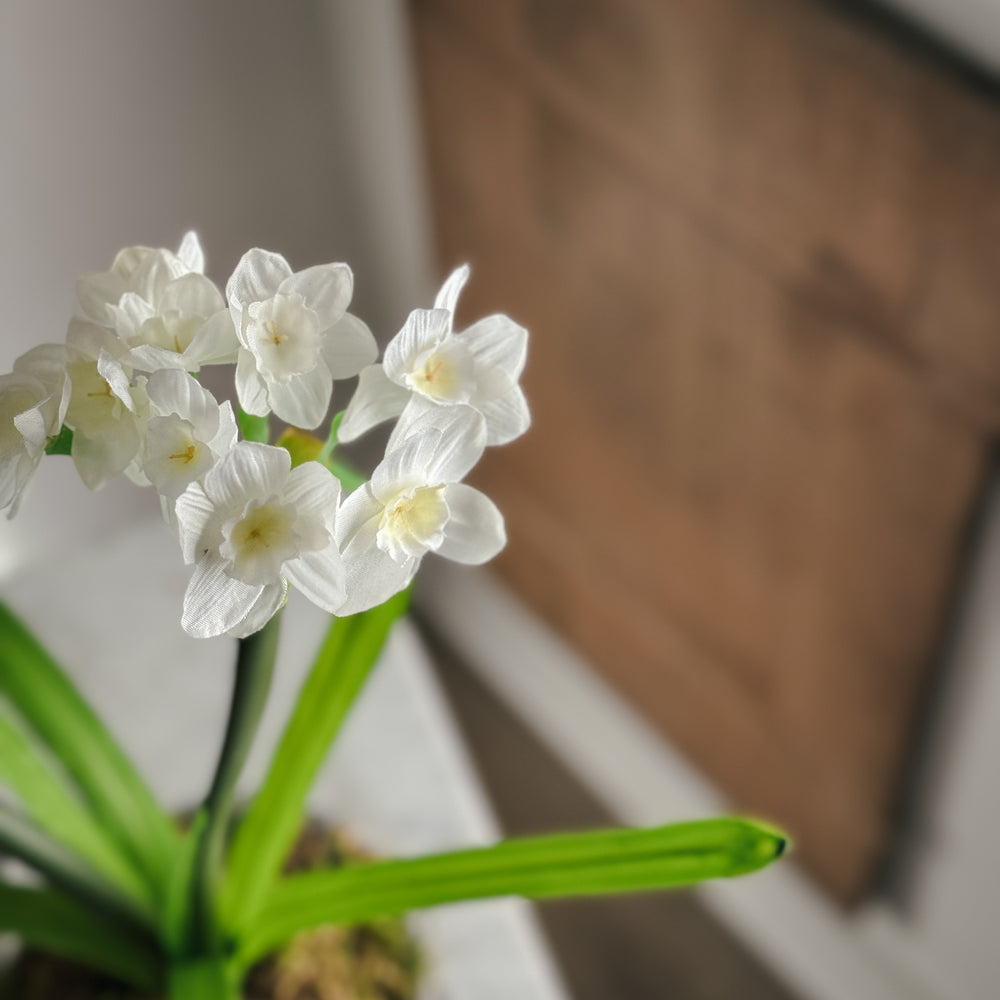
248,471
507,417
445,457
423,330
447,298
375,399
250,387
96,291
190,254
271,598
214,602
320,575
303,400
172,391
194,511
475,531
215,343
348,346
191,295
498,342
326,289
98,461
257,277
315,492
372,576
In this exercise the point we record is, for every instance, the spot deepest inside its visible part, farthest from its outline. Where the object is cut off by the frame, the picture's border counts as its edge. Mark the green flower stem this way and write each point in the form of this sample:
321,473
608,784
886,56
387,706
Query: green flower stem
592,863
25,841
254,668
267,831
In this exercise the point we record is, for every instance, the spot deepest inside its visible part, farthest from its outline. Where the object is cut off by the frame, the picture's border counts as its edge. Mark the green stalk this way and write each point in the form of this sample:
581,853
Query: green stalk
254,669
25,841
268,830
593,863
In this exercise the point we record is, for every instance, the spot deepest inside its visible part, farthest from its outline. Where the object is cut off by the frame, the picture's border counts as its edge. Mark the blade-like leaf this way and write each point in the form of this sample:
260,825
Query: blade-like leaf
582,864
177,909
46,919
272,822
48,797
23,840
57,713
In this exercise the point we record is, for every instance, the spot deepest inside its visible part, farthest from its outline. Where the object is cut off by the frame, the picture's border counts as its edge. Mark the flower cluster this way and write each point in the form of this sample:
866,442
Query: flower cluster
121,395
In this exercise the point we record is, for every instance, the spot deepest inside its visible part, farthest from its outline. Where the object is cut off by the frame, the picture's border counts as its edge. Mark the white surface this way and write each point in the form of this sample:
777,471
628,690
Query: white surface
820,954
399,776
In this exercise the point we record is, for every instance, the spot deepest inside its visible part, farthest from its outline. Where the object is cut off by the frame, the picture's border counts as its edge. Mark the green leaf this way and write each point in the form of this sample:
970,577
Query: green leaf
61,444
179,897
270,826
253,428
25,841
57,713
49,798
203,979
46,919
575,864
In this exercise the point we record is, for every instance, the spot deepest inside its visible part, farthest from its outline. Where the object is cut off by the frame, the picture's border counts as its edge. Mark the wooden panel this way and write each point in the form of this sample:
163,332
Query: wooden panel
763,367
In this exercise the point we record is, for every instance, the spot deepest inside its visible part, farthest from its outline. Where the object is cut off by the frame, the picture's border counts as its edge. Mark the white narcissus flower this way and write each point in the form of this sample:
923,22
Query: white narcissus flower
163,307
296,336
105,411
415,503
187,433
427,366
251,527
33,400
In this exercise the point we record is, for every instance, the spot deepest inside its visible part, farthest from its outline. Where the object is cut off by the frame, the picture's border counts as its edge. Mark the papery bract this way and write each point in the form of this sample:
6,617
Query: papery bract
33,400
251,527
427,366
416,503
296,336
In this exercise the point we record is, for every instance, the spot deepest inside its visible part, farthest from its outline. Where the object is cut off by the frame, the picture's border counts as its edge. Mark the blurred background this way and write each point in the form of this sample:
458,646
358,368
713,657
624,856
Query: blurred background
754,551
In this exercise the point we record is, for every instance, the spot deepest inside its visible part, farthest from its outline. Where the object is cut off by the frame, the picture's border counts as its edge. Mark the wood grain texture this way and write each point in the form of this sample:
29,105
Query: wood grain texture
751,242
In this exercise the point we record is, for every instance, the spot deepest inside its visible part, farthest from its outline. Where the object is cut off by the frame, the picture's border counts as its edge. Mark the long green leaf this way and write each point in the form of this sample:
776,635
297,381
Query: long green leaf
581,864
48,797
270,826
47,700
46,919
22,839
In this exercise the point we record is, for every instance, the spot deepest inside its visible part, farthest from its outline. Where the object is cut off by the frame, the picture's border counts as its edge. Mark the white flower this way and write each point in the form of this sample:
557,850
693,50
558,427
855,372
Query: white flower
296,336
33,400
105,412
163,307
427,366
251,527
414,504
187,433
